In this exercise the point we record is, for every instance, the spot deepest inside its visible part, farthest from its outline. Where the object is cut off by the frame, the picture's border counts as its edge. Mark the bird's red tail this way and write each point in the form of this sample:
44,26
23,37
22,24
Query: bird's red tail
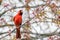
18,34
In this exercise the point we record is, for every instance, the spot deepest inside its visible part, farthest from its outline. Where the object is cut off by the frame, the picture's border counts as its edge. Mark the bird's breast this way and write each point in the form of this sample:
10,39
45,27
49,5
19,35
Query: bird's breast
18,20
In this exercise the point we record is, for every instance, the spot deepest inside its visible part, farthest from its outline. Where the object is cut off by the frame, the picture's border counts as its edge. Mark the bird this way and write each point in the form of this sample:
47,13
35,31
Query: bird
18,21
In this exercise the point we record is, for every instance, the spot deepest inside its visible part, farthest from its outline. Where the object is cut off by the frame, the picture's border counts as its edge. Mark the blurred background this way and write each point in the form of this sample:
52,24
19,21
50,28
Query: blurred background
41,19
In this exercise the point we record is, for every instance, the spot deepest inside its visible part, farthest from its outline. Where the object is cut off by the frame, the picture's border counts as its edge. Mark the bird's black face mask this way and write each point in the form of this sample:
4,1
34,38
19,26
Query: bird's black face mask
21,13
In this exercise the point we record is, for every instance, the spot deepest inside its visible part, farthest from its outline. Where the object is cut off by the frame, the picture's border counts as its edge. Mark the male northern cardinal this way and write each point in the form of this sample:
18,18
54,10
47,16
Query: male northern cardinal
18,21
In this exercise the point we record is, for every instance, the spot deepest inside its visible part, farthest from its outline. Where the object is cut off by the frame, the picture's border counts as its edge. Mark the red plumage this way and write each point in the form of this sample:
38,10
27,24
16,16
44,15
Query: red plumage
18,21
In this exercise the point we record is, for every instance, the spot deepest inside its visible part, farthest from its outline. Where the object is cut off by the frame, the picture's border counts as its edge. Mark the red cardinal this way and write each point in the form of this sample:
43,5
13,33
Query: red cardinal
18,21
